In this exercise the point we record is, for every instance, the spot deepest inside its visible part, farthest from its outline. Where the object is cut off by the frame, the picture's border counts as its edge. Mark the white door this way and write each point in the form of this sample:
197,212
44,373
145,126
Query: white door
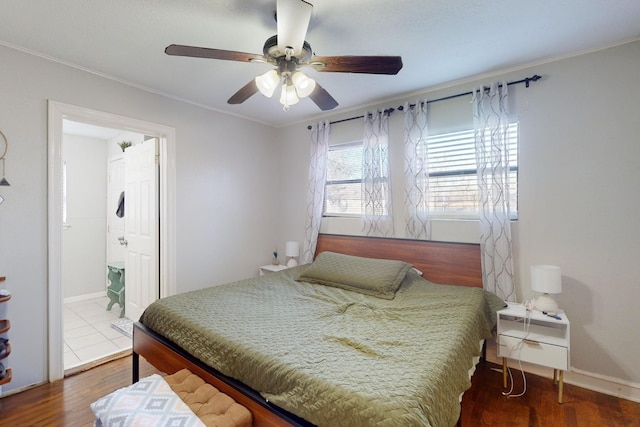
115,224
141,227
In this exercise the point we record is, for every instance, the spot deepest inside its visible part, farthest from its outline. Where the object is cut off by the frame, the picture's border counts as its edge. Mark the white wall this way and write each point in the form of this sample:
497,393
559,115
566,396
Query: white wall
579,204
226,187
84,234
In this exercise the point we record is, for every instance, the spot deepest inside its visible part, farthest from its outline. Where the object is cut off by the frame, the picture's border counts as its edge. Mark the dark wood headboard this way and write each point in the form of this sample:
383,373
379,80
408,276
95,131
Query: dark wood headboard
440,262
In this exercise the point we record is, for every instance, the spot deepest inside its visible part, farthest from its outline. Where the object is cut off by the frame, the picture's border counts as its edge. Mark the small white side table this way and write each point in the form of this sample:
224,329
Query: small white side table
545,341
271,268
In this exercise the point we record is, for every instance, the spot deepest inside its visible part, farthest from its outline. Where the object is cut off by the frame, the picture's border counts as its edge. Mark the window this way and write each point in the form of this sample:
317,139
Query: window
453,187
343,191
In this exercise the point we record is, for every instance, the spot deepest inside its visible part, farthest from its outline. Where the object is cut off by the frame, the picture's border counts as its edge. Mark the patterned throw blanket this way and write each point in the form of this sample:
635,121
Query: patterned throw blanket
337,357
181,399
149,402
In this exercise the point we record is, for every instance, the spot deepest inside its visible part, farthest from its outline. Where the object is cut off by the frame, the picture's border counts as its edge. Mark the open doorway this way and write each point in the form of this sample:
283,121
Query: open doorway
163,139
94,246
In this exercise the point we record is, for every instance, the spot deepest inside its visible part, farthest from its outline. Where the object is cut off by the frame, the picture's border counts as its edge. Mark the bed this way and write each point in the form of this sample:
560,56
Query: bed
399,356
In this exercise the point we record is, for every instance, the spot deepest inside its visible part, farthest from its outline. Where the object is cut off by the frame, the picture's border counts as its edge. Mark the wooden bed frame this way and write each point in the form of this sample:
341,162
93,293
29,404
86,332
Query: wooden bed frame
440,262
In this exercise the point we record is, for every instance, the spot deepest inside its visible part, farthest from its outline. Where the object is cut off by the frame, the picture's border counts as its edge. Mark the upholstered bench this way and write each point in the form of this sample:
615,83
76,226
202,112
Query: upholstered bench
180,399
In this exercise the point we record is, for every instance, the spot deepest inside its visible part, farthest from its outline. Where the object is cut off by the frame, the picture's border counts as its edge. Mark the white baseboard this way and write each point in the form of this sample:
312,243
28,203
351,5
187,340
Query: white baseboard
85,297
604,384
601,383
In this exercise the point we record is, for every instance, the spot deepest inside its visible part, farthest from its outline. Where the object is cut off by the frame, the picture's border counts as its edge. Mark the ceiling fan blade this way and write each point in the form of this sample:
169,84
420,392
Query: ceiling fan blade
205,52
357,64
293,18
244,93
322,98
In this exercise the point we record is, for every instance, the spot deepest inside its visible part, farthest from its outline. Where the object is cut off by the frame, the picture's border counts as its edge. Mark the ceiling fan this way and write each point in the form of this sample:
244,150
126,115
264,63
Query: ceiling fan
288,51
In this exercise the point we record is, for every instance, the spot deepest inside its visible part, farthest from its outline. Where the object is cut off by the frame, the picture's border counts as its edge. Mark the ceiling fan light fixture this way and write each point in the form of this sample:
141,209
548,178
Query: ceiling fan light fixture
268,82
304,84
288,50
288,96
293,18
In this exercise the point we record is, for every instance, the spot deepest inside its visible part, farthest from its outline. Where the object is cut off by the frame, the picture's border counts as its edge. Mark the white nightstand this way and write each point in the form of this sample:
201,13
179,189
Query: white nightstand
271,268
545,342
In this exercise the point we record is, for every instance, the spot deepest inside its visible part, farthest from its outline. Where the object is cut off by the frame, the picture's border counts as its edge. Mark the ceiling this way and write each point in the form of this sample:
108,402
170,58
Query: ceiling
439,40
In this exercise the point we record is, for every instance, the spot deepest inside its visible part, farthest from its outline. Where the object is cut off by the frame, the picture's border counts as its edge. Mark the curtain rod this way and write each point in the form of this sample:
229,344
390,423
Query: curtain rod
526,81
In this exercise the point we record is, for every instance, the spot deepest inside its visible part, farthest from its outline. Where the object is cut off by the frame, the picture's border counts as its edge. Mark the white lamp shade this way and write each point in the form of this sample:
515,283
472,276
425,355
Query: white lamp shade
288,95
304,85
268,82
292,249
546,279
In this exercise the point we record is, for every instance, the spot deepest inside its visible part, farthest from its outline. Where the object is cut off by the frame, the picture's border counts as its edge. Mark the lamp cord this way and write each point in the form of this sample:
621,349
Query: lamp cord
518,347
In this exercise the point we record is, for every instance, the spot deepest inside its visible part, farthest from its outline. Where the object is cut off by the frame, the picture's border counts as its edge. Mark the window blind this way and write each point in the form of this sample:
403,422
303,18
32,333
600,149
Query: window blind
453,187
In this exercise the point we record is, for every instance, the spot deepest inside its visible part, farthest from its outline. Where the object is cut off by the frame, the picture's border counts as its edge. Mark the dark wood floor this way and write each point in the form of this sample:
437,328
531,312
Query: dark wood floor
484,404
66,403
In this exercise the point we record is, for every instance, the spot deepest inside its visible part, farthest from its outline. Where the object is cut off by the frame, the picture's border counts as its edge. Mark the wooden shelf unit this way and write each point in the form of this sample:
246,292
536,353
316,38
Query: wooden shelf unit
7,377
5,325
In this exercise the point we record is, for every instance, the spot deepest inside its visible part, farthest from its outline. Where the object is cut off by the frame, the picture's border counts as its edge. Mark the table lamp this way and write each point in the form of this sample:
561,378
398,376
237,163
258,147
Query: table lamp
292,250
546,279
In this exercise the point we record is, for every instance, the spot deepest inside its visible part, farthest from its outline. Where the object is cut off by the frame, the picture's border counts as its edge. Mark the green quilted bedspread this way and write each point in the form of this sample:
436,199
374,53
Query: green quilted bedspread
336,357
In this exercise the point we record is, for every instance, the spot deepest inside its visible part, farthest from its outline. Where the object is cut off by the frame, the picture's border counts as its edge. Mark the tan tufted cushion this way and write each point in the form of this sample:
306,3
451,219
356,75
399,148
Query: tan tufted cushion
213,407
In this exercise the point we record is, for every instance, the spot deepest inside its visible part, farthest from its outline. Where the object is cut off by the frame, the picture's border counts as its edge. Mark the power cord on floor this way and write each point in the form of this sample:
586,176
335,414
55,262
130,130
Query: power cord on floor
517,347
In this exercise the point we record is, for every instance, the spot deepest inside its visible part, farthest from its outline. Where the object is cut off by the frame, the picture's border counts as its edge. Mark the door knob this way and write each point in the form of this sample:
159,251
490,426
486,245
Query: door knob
123,241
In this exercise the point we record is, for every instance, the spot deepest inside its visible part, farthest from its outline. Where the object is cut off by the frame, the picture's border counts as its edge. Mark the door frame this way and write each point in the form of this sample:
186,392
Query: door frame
57,112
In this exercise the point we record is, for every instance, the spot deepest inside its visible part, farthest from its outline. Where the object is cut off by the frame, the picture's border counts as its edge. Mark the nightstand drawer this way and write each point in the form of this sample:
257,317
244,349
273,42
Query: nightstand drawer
539,353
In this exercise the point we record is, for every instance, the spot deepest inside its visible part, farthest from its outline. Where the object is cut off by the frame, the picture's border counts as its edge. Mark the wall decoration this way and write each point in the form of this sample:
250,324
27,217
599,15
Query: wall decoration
4,146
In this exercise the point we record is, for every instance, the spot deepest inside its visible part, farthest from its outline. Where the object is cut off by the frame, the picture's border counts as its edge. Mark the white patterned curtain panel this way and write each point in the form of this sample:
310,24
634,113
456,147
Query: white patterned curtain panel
376,181
315,193
491,123
416,171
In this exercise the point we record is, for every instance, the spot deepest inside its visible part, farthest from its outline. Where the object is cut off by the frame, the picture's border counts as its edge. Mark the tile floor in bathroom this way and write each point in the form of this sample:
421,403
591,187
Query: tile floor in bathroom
88,334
